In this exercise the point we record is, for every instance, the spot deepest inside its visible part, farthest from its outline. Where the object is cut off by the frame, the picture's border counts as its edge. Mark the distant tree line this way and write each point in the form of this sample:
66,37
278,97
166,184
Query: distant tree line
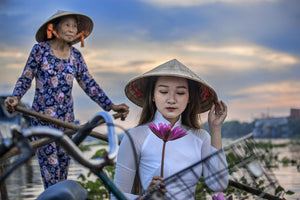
236,129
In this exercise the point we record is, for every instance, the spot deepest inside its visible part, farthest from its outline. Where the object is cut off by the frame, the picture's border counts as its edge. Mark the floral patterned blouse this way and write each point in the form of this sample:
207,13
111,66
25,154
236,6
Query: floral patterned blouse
54,82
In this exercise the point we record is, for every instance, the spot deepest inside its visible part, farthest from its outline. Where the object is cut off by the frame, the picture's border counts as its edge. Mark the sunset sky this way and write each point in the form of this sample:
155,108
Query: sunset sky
248,52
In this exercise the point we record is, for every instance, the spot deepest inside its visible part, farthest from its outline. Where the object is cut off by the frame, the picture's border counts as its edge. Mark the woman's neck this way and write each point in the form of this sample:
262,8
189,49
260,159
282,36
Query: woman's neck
60,49
172,121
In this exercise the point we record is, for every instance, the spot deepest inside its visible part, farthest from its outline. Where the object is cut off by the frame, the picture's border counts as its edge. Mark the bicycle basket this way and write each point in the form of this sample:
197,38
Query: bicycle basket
250,177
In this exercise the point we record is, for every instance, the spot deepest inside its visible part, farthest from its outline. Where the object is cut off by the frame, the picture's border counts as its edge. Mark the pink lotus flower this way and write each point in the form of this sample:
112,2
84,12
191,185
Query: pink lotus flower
166,133
221,197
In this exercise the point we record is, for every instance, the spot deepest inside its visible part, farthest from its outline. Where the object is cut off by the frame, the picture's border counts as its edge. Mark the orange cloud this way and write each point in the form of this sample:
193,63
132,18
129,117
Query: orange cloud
277,97
205,59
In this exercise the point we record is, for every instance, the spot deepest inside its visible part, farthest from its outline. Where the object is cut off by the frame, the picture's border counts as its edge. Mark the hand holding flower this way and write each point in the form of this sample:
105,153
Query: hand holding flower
156,184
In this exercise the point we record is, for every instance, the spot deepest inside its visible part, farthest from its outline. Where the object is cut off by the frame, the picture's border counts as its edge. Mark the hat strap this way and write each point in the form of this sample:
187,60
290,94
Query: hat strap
51,31
206,93
136,90
81,35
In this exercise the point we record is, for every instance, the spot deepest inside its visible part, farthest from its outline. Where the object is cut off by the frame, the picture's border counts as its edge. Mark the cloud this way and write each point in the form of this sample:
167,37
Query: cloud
12,54
284,88
278,97
134,56
204,58
270,99
242,57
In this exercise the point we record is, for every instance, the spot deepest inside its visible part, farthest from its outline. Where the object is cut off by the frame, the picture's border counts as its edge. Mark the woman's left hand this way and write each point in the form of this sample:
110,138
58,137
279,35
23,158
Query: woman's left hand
217,114
216,117
121,108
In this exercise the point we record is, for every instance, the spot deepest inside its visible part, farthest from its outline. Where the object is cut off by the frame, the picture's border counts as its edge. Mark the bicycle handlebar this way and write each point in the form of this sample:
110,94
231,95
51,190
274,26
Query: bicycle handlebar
83,132
94,164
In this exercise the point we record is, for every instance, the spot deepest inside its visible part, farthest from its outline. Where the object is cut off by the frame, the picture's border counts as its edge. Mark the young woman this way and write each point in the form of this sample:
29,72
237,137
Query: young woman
172,94
54,63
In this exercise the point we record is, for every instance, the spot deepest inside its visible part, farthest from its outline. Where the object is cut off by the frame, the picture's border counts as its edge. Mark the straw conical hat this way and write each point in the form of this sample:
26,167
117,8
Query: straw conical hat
134,89
84,24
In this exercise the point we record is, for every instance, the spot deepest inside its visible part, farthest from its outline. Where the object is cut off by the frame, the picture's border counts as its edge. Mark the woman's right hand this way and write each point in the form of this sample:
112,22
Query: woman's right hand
11,103
157,183
121,108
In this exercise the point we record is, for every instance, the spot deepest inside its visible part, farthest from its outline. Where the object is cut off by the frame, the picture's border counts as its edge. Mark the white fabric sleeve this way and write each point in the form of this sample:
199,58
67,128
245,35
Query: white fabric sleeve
215,169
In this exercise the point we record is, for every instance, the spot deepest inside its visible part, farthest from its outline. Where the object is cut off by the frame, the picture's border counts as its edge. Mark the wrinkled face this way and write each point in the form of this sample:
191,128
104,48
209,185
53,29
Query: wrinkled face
171,96
67,29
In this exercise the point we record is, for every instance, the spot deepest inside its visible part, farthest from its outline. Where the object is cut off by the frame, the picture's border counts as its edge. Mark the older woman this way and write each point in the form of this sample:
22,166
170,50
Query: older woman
54,63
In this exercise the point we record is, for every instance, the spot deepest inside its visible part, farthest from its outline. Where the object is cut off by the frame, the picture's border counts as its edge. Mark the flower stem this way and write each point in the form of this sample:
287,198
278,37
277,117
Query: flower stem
162,160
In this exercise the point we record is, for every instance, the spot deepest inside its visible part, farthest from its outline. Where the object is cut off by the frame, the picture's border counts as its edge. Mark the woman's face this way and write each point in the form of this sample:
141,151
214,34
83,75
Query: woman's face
67,29
171,96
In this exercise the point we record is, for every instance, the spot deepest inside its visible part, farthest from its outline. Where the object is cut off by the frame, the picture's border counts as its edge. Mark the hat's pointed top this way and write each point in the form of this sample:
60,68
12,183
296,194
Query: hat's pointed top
173,68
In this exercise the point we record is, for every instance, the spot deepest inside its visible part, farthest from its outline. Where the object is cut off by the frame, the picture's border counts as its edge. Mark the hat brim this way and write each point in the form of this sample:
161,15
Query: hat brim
84,24
134,89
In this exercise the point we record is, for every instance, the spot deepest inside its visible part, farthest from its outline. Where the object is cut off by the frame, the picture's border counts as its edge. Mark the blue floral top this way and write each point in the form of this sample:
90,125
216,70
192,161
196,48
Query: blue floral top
54,82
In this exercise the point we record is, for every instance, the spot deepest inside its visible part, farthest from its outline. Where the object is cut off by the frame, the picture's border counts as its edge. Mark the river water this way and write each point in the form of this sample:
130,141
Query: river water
25,182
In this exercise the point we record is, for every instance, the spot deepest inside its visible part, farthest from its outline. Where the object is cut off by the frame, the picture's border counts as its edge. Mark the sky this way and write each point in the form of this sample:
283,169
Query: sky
248,51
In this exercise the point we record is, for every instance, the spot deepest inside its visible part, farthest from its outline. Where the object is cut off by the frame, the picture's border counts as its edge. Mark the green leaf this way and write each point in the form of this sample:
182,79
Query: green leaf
278,189
289,192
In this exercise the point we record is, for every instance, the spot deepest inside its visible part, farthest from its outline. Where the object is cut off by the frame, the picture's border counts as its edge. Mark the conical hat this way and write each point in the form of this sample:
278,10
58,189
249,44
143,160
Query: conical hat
84,24
135,88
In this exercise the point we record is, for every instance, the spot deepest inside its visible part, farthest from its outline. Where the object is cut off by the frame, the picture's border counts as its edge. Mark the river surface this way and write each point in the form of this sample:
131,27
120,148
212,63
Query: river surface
25,182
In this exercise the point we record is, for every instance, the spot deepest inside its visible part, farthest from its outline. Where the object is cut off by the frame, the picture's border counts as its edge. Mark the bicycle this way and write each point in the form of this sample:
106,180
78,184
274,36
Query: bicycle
96,165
